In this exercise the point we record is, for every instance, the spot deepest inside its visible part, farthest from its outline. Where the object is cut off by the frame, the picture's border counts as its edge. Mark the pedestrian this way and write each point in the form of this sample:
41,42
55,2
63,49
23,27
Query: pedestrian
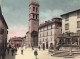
16,49
7,50
12,51
35,53
32,48
39,47
22,50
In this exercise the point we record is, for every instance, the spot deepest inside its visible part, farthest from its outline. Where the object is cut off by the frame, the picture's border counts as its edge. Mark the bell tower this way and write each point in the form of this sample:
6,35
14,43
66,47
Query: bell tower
33,22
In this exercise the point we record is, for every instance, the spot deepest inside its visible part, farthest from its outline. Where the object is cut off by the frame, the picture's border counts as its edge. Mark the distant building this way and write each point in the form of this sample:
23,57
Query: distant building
3,32
33,22
16,41
49,31
71,22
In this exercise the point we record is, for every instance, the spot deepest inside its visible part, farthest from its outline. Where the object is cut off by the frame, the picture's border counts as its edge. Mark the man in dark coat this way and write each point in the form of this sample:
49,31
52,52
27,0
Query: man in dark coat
12,51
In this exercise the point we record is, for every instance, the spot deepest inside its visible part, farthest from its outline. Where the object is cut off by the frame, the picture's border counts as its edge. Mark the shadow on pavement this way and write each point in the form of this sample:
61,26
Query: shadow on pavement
9,56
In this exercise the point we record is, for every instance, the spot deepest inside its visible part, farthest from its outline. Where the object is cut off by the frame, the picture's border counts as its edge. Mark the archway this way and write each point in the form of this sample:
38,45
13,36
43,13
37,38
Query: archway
46,45
51,46
34,36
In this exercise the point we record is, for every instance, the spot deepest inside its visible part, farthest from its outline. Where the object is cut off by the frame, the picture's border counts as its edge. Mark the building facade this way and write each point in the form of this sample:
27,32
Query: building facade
48,32
71,22
3,33
16,41
70,36
33,22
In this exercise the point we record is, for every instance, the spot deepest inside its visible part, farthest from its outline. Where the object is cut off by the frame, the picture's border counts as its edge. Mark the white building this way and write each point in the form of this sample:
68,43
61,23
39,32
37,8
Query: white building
71,21
70,36
48,32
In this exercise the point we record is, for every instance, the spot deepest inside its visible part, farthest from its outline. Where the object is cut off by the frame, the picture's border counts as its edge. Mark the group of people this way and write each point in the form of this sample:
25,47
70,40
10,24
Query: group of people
11,49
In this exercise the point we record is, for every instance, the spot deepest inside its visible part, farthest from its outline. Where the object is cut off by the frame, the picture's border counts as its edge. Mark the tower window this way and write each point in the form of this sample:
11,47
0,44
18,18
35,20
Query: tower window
36,16
33,8
36,9
33,16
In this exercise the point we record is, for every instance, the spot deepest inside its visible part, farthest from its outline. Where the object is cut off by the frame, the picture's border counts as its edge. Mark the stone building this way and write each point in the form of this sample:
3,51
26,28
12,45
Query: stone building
49,31
70,36
71,28
3,33
16,41
33,22
71,21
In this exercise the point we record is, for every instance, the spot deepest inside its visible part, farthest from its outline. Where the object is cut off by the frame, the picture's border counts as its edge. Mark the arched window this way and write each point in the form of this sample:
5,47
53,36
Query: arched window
33,16
36,16
33,8
36,9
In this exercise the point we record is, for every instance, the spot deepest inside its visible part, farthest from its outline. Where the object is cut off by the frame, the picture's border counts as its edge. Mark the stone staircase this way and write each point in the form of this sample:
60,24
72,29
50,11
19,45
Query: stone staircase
60,53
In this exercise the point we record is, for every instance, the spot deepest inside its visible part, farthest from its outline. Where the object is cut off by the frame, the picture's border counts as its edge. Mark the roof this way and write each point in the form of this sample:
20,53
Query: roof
34,2
2,18
54,20
16,38
70,12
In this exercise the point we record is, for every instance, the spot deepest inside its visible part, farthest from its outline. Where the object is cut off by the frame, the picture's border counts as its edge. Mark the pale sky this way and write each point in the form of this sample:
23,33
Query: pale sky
16,13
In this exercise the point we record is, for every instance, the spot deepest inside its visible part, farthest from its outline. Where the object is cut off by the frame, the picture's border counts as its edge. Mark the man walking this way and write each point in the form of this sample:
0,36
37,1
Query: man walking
35,53
12,51
8,50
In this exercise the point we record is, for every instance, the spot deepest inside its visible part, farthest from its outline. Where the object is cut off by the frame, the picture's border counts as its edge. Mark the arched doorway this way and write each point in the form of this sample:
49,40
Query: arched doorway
34,36
43,46
51,46
46,45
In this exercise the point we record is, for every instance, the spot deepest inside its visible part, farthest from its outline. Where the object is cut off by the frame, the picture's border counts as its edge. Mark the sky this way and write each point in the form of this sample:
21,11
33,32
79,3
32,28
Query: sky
16,13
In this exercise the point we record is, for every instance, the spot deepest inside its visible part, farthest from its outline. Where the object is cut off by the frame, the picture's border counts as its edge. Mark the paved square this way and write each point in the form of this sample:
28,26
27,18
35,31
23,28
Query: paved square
29,54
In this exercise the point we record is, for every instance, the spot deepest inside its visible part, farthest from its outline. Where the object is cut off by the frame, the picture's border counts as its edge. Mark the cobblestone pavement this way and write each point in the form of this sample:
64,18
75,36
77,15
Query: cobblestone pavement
29,54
